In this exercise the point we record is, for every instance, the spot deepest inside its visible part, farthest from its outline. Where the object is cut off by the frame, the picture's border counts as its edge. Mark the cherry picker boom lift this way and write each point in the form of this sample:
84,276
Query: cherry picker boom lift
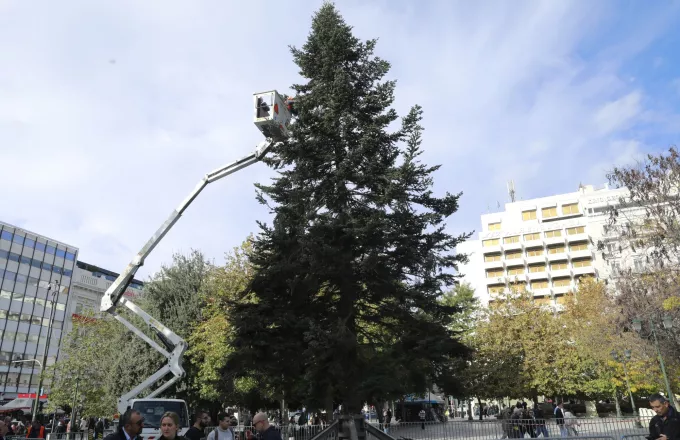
272,117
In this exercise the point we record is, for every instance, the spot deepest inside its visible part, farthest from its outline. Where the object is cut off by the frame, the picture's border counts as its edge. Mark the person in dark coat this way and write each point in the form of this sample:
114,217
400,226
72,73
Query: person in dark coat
262,426
559,419
665,425
129,428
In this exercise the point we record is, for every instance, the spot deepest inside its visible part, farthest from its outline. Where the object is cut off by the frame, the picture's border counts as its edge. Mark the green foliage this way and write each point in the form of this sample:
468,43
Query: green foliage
85,354
210,342
344,304
109,360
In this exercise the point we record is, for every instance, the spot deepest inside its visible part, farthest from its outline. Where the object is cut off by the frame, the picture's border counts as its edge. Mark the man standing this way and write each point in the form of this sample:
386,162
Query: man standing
422,414
559,419
130,426
224,430
665,425
201,421
262,426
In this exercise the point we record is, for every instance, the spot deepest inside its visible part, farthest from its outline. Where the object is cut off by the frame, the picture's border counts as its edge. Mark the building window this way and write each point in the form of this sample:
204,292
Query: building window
519,285
495,290
532,237
579,247
489,258
496,273
576,230
539,285
638,265
534,252
529,215
571,208
492,242
510,240
495,226
549,212
535,268
582,263
553,234
516,270
513,255
616,267
559,249
558,266
561,282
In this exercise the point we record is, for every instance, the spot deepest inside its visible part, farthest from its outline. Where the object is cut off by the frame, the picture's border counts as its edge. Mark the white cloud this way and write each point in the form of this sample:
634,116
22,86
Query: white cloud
111,111
618,114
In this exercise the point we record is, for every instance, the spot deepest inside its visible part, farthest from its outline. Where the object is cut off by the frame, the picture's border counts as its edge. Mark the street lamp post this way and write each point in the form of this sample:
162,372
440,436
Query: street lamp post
53,309
667,323
37,391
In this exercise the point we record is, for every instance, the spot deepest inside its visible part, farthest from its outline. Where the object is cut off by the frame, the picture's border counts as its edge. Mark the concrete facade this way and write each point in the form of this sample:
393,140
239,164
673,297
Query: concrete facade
31,263
89,284
545,245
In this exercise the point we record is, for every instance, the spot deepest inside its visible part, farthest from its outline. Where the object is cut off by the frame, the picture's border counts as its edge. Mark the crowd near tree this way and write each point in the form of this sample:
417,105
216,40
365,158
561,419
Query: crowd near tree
348,293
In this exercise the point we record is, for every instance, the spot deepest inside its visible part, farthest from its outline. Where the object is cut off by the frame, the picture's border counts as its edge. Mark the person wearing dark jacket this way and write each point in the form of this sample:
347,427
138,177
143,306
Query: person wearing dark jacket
262,426
539,417
665,425
559,419
129,428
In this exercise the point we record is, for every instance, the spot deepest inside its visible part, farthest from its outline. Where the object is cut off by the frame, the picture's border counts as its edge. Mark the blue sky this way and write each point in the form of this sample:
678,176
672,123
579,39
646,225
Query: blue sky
111,111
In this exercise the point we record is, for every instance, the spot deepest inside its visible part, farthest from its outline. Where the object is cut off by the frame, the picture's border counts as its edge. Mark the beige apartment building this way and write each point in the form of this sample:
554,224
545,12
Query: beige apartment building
544,245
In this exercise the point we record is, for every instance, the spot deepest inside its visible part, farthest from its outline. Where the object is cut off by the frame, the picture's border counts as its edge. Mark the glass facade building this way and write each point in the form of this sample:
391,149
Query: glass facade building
29,264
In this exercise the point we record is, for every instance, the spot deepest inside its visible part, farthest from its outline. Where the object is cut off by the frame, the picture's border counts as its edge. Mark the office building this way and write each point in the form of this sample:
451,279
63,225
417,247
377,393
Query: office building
36,273
89,284
544,245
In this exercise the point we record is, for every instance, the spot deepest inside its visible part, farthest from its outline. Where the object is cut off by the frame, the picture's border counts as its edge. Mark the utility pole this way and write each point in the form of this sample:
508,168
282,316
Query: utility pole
53,308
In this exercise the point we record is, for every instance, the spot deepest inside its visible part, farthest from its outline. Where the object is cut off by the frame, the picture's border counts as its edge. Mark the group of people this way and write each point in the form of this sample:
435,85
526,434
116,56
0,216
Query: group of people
520,420
132,423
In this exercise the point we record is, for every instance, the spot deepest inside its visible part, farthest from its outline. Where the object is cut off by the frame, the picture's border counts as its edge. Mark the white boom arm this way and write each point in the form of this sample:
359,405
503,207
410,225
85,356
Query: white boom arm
274,125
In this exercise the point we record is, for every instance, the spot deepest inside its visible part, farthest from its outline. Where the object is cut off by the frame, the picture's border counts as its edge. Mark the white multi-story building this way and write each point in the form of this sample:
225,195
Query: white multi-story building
88,287
544,245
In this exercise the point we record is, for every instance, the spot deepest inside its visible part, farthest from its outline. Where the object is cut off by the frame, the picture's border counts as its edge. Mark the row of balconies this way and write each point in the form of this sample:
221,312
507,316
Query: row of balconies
548,291
545,241
533,276
539,259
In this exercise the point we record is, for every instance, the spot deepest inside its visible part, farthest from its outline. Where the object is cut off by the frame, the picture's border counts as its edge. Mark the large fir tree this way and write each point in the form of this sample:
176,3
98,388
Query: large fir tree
343,305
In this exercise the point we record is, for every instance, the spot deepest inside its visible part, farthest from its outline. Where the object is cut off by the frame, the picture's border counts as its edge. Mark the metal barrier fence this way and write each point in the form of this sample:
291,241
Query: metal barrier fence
500,429
288,432
66,436
613,428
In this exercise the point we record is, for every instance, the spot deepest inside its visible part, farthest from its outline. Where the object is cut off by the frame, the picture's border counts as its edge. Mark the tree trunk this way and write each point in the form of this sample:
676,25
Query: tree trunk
469,409
481,412
328,404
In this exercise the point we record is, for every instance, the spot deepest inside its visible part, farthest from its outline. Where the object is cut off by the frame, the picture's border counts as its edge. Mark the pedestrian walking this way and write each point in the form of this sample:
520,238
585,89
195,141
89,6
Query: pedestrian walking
422,414
665,425
170,427
539,421
262,426
36,430
201,421
224,429
559,419
571,422
129,427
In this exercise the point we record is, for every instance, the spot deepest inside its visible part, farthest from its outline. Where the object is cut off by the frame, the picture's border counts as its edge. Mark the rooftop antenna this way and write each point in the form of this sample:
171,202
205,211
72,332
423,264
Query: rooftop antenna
511,190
